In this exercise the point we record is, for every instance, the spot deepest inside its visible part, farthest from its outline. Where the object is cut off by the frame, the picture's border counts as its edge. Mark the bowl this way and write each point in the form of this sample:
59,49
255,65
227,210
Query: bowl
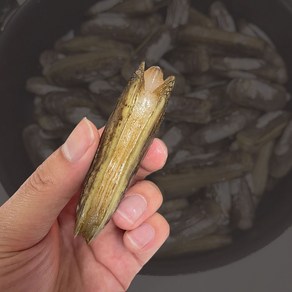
38,24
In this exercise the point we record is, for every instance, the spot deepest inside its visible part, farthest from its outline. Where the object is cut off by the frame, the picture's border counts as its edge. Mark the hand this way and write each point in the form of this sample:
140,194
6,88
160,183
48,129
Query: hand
38,251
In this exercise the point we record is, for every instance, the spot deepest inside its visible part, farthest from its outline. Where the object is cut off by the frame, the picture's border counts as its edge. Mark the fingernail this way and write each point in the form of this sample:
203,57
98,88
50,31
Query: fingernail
141,236
162,149
78,142
132,208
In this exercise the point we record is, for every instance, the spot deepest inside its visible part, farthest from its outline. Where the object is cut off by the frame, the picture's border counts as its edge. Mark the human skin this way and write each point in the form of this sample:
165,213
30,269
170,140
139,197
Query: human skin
38,251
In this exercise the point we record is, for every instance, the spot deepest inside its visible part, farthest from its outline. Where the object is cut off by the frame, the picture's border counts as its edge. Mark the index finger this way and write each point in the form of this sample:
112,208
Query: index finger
154,159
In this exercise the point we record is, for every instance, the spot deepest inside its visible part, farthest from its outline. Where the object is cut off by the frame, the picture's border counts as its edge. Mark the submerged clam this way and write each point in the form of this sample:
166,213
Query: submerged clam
227,127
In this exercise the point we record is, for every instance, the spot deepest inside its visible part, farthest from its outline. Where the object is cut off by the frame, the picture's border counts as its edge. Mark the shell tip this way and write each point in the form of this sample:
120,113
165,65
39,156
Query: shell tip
141,67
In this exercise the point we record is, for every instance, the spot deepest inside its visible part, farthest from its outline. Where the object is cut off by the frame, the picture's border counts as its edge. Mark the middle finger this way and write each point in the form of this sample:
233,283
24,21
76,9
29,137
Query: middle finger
141,201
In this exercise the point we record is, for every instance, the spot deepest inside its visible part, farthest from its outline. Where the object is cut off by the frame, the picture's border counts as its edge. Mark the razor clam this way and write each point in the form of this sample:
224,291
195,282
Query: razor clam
276,62
107,87
224,127
174,136
260,172
243,208
216,147
123,144
102,6
75,114
161,40
268,127
203,80
82,68
121,27
195,110
152,49
194,156
38,108
220,15
118,81
220,193
222,110
156,45
197,155
131,7
230,41
250,29
187,180
174,215
177,13
200,19
57,134
274,58
68,35
236,64
173,205
48,58
57,102
105,95
38,148
40,86
272,74
189,60
236,74
216,94
178,245
52,123
86,44
168,67
200,219
257,94
281,162
268,72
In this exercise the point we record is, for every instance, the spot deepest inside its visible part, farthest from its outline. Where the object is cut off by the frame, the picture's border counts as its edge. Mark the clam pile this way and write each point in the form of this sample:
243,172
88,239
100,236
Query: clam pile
227,127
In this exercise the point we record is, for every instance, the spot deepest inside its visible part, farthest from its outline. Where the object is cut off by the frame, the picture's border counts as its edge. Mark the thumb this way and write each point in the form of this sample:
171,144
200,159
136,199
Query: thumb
30,213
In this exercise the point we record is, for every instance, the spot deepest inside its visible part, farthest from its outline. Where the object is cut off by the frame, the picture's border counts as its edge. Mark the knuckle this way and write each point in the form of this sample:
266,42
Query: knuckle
163,222
41,180
151,188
